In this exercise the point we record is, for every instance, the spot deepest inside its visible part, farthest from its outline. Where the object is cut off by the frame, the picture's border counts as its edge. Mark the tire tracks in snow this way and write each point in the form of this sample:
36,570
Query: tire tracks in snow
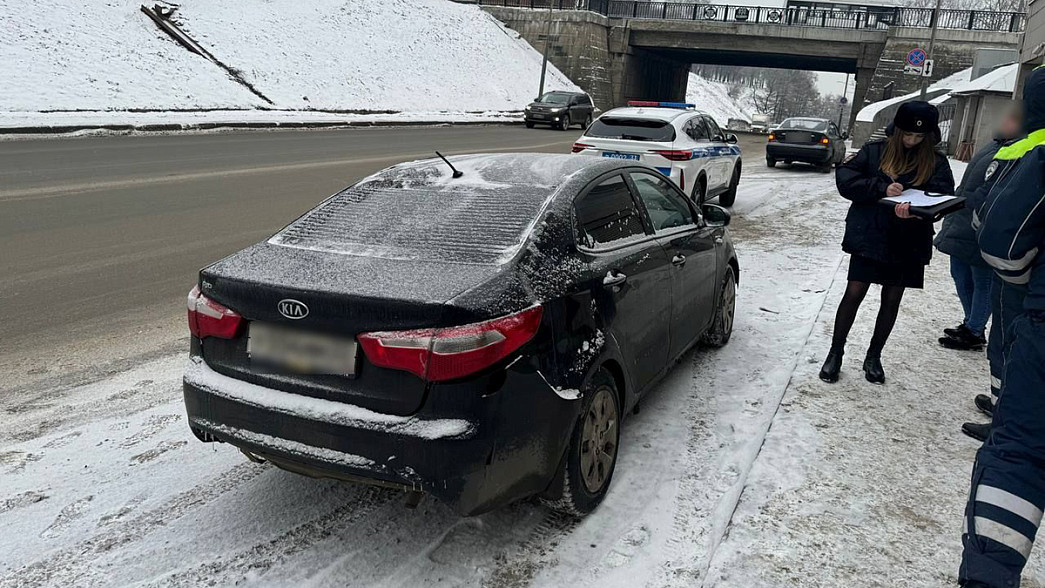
261,557
74,565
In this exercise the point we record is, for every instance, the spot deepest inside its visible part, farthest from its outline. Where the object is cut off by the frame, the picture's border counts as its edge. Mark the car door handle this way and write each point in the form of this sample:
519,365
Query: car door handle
679,260
613,278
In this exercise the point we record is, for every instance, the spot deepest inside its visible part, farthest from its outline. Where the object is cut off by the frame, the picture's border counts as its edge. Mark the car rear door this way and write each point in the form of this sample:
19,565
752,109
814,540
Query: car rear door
631,273
691,248
721,153
699,132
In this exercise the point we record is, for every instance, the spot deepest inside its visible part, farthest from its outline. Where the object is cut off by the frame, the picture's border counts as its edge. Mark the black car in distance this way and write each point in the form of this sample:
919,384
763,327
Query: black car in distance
815,141
478,338
560,110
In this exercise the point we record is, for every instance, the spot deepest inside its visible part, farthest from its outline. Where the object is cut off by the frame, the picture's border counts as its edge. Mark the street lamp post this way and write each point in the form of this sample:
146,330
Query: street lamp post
932,42
547,44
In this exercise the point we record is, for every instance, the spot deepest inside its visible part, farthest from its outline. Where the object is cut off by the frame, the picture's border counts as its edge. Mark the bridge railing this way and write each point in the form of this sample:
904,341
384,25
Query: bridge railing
869,18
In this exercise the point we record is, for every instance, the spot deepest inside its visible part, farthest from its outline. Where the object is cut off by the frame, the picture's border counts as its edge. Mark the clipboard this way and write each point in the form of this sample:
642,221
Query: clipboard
930,213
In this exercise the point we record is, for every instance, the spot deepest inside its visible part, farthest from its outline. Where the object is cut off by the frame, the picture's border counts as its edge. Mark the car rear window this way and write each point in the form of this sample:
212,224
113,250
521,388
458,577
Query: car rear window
631,129
422,214
805,124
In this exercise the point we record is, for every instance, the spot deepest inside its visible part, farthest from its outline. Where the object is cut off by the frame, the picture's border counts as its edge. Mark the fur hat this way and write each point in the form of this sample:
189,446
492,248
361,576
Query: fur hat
917,117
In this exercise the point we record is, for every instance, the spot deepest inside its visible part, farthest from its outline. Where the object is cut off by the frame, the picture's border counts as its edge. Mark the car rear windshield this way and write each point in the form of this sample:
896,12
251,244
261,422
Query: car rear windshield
806,124
632,129
422,214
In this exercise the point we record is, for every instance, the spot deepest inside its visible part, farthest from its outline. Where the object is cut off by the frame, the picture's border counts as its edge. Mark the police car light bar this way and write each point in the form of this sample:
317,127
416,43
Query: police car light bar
660,104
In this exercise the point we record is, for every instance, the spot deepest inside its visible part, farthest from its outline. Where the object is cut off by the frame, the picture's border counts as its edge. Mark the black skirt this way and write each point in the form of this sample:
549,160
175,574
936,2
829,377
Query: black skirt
865,269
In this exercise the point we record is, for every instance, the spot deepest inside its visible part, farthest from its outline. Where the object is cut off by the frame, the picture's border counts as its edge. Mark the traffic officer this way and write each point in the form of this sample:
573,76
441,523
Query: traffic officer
1008,480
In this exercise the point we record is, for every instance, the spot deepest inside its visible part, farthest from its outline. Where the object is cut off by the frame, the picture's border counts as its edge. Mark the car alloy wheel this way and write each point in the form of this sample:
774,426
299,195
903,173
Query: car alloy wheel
722,327
599,440
566,122
587,121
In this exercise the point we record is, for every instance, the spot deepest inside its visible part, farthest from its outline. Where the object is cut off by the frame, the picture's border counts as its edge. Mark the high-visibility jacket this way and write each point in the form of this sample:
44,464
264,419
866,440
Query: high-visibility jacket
1010,219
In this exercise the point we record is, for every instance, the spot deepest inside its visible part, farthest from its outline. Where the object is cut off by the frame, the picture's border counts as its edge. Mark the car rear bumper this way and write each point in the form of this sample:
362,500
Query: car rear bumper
502,452
815,153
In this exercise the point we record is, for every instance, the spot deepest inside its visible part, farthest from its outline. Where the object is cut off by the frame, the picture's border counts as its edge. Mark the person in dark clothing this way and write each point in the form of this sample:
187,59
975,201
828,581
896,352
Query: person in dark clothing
887,245
1007,493
979,288
971,274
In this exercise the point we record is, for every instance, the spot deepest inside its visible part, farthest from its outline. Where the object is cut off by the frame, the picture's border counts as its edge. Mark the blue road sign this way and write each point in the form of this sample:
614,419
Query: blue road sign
916,57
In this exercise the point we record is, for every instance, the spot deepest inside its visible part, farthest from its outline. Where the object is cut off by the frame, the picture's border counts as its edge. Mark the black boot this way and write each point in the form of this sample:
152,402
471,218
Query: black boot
978,431
964,340
974,584
955,331
985,404
873,370
832,365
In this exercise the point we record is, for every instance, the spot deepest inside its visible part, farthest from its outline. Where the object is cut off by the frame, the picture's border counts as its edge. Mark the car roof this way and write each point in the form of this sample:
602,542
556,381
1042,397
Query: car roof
418,210
652,112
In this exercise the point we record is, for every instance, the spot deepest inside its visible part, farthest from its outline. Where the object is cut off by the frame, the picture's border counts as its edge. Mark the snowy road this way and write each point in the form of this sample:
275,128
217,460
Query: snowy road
742,470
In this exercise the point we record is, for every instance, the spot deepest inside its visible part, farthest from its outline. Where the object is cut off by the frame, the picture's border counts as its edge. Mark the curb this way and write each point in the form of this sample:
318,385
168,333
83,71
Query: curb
205,126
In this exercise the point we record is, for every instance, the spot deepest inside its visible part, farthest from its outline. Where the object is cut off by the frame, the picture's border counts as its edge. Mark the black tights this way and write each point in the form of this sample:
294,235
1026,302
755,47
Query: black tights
854,295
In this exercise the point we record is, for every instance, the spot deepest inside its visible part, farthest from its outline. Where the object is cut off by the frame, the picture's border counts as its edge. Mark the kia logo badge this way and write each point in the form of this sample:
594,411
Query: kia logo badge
292,309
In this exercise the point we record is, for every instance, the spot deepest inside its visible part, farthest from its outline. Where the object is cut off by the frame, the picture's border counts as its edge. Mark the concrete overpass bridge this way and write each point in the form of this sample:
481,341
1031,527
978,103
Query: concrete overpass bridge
620,50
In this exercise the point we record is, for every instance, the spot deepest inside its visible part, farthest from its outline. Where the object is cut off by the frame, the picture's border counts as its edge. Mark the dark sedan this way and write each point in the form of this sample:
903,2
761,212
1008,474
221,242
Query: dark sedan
477,336
560,110
815,141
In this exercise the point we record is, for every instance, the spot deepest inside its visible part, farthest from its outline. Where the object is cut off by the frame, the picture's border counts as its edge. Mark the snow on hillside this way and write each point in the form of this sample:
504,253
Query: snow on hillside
73,55
414,56
713,98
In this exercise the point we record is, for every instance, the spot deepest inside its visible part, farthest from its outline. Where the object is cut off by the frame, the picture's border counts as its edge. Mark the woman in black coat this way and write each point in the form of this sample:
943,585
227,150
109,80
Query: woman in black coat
888,246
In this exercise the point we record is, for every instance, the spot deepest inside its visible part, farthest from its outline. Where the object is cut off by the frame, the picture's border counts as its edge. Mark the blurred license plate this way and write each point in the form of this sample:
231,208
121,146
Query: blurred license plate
628,156
301,351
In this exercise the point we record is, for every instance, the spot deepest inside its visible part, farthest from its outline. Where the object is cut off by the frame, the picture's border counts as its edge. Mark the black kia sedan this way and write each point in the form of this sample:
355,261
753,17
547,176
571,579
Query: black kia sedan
560,110
815,141
476,335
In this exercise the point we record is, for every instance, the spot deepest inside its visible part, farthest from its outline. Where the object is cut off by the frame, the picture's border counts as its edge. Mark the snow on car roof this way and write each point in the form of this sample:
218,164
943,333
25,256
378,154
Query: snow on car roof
651,113
419,211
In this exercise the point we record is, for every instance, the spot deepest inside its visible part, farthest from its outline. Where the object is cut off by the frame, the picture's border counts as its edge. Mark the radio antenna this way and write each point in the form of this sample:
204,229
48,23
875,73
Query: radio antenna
457,173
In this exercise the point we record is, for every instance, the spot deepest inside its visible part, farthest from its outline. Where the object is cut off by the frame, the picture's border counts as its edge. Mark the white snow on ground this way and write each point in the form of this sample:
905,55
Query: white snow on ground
713,98
431,57
742,470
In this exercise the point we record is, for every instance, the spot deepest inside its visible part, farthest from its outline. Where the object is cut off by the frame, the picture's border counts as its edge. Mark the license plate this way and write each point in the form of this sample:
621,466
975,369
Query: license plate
536,115
294,350
614,155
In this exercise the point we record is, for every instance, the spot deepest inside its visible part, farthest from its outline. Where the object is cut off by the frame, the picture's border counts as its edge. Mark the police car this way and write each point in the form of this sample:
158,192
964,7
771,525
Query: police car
681,142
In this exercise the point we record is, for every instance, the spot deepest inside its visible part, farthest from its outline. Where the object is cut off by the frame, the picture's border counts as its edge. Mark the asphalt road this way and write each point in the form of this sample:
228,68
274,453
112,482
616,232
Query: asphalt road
104,235
101,237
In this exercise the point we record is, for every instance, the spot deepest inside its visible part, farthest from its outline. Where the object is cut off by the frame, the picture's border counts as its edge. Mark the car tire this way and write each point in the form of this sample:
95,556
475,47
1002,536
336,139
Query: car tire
565,125
725,310
700,191
587,122
599,424
770,162
825,169
529,125
730,195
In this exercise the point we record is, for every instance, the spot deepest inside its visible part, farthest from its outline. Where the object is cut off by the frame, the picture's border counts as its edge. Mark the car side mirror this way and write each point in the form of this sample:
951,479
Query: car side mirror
845,135
731,138
715,215
719,139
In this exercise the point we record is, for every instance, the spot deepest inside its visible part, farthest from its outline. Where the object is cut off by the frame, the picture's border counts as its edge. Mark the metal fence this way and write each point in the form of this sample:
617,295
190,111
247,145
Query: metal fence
866,18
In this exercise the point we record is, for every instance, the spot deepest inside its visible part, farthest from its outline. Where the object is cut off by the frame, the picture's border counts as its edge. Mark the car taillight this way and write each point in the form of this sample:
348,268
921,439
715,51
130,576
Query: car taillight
449,353
675,154
825,141
578,147
210,319
772,137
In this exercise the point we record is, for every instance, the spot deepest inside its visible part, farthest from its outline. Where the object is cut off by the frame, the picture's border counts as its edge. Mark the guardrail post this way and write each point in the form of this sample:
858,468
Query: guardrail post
972,19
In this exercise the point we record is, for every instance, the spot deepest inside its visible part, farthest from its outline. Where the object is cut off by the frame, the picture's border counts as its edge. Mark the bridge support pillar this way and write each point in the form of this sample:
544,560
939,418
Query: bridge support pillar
864,75
643,75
